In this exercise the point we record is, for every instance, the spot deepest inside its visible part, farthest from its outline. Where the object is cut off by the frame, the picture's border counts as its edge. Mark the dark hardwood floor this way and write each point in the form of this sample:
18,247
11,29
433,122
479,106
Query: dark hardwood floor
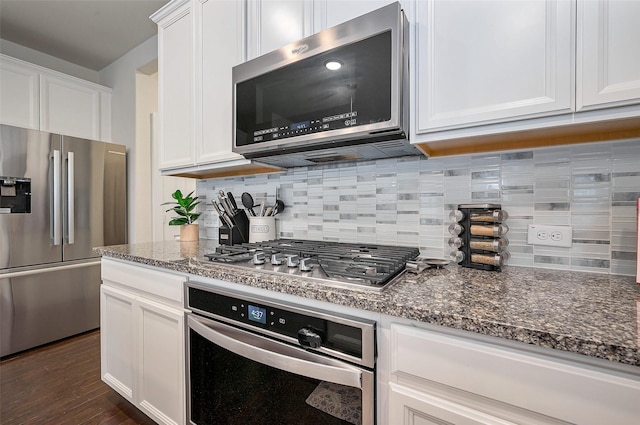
60,384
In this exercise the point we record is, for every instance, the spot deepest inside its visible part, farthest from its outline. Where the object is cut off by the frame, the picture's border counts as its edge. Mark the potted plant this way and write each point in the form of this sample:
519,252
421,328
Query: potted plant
184,207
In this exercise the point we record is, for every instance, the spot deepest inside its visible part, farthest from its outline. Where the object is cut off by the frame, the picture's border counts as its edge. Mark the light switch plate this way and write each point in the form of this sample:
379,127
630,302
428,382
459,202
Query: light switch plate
550,235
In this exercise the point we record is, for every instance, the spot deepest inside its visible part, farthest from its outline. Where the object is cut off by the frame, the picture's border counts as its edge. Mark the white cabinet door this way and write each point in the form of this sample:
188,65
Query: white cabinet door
117,340
608,58
161,392
489,61
272,24
221,48
410,407
199,41
41,99
328,13
175,88
506,380
69,107
19,94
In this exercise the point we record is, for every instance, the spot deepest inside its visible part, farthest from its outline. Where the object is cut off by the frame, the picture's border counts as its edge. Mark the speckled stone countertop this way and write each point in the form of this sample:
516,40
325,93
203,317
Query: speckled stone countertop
590,314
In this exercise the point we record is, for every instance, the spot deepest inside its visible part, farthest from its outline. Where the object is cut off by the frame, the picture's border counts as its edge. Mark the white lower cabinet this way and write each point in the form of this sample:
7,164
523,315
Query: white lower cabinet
117,339
142,339
416,407
443,377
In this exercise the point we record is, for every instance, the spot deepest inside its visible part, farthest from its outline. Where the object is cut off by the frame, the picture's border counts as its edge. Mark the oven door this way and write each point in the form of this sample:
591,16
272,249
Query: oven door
238,377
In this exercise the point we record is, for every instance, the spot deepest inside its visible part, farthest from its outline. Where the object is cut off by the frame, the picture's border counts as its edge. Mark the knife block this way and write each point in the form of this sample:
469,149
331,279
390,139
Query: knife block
236,234
229,236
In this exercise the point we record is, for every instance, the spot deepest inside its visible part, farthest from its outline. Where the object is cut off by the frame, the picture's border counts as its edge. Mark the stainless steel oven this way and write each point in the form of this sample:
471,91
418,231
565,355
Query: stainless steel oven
263,361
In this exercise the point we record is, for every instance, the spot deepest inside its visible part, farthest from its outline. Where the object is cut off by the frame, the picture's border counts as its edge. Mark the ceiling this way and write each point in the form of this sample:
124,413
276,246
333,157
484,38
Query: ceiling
89,33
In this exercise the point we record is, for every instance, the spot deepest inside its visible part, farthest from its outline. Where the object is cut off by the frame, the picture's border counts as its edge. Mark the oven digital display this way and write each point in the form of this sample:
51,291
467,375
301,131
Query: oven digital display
257,314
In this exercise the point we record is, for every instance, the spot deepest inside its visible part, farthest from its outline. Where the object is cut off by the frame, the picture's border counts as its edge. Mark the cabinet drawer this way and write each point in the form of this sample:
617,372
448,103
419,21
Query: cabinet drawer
140,278
562,389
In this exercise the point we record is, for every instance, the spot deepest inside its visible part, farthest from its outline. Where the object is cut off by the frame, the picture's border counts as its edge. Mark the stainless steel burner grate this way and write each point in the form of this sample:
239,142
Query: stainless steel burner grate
362,264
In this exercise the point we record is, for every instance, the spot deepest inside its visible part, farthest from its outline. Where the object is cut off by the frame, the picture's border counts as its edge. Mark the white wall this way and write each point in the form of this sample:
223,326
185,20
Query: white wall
146,104
162,188
33,56
121,77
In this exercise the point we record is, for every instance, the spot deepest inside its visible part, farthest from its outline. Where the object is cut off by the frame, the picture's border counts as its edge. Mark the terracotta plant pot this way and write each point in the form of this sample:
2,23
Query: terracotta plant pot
189,233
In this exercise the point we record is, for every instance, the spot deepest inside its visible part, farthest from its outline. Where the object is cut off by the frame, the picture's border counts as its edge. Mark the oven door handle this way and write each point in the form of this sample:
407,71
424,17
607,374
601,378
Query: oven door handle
276,354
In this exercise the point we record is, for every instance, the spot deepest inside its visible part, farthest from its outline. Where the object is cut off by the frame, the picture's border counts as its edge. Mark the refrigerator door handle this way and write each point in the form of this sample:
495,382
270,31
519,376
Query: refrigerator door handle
70,199
56,237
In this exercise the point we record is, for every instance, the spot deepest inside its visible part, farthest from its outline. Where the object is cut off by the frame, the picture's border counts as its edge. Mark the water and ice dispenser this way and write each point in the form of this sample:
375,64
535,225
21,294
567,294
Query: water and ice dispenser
15,195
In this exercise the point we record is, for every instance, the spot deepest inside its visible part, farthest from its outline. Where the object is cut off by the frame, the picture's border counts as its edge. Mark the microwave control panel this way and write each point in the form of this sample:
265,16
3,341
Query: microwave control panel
333,122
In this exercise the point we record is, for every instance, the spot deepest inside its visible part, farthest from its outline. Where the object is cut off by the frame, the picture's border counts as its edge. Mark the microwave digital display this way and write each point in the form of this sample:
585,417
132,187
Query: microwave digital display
315,95
300,125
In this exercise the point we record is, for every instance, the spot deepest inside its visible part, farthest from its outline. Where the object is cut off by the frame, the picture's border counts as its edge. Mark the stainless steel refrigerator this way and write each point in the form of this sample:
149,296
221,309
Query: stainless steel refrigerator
59,197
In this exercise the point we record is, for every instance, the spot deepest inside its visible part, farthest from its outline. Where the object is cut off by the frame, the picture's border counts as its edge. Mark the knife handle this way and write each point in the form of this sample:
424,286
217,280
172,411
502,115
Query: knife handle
223,216
232,201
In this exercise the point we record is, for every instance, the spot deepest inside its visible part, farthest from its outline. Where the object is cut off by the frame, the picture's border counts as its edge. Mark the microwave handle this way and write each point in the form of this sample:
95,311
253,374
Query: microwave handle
276,354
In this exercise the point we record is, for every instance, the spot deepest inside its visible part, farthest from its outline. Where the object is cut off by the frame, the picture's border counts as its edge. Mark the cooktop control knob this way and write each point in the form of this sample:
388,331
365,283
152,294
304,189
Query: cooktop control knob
305,265
293,261
309,338
258,258
277,259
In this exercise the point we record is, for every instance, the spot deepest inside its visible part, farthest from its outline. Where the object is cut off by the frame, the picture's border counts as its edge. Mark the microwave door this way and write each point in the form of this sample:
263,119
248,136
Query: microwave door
28,215
310,98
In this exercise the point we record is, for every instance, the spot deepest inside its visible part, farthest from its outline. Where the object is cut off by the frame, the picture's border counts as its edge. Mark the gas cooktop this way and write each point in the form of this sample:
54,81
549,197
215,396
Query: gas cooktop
364,265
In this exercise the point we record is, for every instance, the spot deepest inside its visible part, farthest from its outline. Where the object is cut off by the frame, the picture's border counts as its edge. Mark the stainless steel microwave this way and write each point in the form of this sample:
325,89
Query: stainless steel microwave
341,94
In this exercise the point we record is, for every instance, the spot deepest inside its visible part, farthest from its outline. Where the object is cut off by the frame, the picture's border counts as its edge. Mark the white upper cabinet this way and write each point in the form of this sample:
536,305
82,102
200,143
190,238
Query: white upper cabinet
41,99
175,85
608,58
272,24
19,94
482,62
221,49
329,13
199,42
69,106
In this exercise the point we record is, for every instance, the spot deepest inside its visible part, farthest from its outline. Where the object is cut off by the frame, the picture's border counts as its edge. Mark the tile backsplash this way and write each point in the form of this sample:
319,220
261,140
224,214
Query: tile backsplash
406,201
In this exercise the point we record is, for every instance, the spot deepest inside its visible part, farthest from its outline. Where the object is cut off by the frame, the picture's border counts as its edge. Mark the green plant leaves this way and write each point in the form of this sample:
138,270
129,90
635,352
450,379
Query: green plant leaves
183,207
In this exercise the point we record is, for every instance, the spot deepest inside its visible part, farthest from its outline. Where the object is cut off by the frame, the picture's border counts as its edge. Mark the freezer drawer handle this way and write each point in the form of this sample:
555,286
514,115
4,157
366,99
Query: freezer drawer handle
70,199
56,237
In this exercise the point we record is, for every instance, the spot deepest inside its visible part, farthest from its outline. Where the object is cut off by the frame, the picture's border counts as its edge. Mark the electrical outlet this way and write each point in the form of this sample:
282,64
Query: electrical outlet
550,235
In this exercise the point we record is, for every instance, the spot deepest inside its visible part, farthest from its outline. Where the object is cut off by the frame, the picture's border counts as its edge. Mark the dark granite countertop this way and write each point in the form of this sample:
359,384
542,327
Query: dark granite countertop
591,314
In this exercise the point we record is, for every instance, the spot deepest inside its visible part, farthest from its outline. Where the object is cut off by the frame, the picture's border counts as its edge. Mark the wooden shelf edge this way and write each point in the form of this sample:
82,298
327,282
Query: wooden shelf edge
602,131
233,171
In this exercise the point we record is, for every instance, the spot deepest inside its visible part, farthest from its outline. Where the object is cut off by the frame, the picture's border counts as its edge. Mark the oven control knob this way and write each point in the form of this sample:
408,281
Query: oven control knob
276,259
305,265
258,258
308,338
293,261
